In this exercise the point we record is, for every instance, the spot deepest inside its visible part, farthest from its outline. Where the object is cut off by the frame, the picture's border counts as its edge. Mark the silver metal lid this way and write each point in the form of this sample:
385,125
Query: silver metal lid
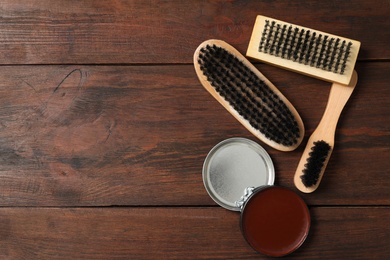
234,165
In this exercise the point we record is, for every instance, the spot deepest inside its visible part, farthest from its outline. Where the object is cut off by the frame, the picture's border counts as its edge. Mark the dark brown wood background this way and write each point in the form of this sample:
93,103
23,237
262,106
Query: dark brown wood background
104,128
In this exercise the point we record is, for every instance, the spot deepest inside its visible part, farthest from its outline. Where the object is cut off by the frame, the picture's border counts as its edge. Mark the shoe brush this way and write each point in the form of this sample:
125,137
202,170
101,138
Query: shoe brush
248,95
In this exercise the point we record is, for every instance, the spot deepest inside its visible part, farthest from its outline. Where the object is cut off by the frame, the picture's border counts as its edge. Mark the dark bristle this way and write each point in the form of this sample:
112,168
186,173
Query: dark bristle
249,95
315,162
305,46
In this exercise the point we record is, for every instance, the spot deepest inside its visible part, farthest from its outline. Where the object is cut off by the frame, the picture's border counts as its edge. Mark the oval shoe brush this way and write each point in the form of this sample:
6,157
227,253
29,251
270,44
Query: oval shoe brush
248,95
320,145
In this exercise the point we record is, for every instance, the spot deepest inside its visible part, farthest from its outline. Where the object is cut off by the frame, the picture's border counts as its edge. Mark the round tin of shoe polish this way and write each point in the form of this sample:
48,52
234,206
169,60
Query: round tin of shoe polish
275,220
233,166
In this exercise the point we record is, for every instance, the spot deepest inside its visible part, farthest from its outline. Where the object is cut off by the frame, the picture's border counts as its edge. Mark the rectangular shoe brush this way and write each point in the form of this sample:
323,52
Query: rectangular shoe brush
314,53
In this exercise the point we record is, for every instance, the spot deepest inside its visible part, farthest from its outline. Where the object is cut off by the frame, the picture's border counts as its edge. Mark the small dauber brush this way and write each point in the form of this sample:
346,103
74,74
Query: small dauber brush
317,54
248,95
320,145
304,50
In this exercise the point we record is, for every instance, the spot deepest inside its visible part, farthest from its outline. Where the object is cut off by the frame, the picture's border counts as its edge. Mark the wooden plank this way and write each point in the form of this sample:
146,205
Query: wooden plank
179,233
93,32
138,135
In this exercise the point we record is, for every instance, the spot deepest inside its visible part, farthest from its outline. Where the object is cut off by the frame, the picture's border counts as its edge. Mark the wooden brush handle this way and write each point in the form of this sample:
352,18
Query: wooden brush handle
325,131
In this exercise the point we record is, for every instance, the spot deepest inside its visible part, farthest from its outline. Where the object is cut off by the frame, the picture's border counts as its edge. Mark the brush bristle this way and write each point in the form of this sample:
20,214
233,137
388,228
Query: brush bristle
305,46
250,96
315,162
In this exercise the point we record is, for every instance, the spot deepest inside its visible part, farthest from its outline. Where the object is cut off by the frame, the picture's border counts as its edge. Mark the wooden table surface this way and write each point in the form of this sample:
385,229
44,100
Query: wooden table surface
104,128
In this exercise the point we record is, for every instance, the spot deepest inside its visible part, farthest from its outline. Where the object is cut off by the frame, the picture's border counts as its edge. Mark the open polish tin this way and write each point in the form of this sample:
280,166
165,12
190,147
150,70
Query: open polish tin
238,174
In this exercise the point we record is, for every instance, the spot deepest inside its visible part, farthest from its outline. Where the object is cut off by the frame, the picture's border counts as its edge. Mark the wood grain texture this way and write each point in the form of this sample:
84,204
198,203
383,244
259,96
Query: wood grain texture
138,135
95,32
179,233
104,128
